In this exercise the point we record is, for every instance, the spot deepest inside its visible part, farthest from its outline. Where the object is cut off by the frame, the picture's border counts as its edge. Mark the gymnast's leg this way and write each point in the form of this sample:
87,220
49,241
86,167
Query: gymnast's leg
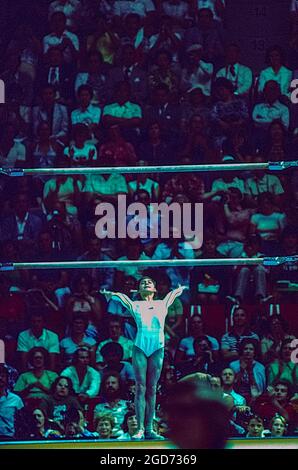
139,362
154,367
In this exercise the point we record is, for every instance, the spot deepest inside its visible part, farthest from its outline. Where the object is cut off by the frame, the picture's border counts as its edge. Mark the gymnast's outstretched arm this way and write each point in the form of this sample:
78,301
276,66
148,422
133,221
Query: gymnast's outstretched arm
171,296
123,298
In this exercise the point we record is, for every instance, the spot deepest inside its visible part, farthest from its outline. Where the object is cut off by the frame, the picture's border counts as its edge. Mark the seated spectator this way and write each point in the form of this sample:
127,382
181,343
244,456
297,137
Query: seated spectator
261,182
76,339
268,223
86,113
104,425
85,379
277,400
46,152
154,149
95,76
197,72
111,391
195,105
236,223
36,383
176,9
10,403
198,146
245,274
140,7
129,70
228,378
164,112
12,151
229,112
55,72
276,71
239,331
41,427
99,188
207,283
203,360
250,374
17,82
273,336
185,352
38,336
64,189
129,426
255,427
54,113
238,146
284,368
278,426
276,147
216,6
207,34
116,149
123,112
142,182
22,225
115,335
71,10
60,37
82,151
112,354
82,300
60,401
238,74
104,40
271,108
75,426
166,38
163,72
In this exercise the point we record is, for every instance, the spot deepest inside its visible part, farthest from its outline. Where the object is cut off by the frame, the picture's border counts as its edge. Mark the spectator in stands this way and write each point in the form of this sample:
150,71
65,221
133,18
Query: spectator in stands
238,74
36,383
268,223
276,71
278,426
86,113
140,7
284,368
104,40
60,401
274,333
96,76
116,150
196,72
38,336
129,70
54,113
71,10
55,72
255,427
228,378
13,152
163,72
65,189
111,390
76,339
60,37
185,351
112,354
250,374
271,108
115,335
82,150
10,403
41,428
129,426
85,379
104,425
240,330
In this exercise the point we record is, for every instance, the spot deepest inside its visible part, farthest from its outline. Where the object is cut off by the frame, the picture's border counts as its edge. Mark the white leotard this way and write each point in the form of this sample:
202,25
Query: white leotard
150,319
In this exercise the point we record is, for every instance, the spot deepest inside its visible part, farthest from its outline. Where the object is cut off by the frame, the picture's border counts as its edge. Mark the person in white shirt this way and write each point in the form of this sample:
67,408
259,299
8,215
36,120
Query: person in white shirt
60,37
196,72
140,7
85,379
271,108
37,336
10,403
240,75
276,71
87,113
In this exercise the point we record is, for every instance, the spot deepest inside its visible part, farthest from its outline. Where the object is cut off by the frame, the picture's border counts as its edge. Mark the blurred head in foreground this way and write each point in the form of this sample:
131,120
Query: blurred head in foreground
197,416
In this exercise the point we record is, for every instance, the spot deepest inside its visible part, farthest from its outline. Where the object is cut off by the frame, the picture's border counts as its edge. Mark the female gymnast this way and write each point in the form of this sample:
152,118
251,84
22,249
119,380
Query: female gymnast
148,350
